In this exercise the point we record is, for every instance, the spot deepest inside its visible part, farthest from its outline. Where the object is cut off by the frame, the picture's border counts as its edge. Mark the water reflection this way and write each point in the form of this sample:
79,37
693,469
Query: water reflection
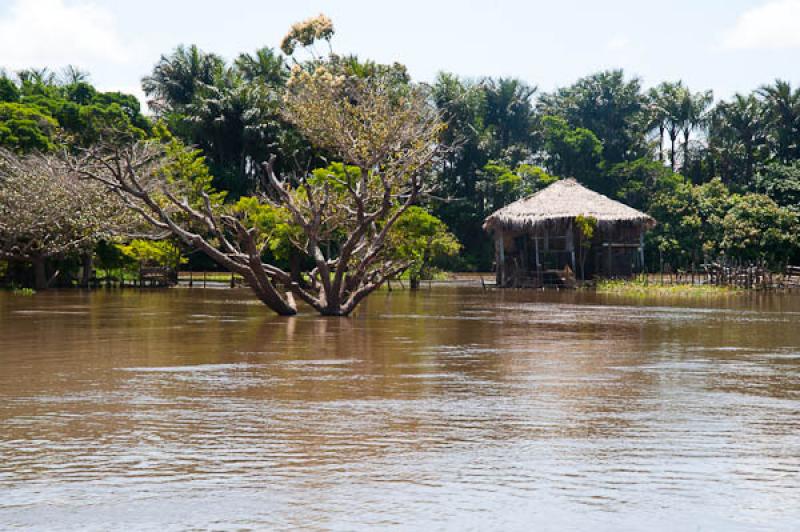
453,408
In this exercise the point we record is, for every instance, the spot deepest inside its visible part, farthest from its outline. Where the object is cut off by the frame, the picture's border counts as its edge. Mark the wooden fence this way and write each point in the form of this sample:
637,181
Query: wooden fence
750,276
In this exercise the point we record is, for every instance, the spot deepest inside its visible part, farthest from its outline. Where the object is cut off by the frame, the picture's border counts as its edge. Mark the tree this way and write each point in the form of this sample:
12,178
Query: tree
264,66
676,110
384,132
9,92
689,221
235,123
46,212
781,182
26,128
758,229
389,134
695,116
231,112
637,182
306,33
462,105
783,117
672,100
509,110
419,239
176,78
153,253
573,152
511,184
607,104
736,138
47,113
656,116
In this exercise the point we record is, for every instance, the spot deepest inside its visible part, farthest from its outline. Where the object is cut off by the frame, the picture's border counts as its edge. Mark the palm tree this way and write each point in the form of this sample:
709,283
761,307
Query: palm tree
177,77
736,132
695,115
234,122
71,75
37,76
264,65
783,114
509,109
656,117
672,97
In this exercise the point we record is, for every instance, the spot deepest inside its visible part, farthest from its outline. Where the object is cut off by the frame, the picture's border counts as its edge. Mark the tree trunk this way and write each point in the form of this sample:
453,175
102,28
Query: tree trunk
39,274
87,270
295,271
283,306
685,148
413,283
672,137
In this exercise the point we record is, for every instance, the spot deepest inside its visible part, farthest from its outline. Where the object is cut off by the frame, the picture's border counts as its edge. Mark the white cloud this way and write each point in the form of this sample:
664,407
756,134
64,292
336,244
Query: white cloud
53,33
773,25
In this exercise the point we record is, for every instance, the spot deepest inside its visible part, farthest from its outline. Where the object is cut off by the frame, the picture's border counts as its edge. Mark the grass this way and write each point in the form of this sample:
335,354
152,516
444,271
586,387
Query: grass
639,287
19,291
214,277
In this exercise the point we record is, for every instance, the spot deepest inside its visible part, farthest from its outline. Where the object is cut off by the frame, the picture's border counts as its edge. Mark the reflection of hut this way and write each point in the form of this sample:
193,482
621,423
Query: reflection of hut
538,241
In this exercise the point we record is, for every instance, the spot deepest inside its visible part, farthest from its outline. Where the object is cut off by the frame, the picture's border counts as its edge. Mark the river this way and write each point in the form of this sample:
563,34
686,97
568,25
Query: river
452,408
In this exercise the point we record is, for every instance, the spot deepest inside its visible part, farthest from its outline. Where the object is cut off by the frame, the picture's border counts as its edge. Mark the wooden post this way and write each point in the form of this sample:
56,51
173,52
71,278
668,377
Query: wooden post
571,246
641,250
501,257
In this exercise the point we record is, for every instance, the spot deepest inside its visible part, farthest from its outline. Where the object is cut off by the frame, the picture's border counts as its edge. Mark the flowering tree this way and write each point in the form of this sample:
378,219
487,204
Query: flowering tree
47,213
305,33
383,131
387,135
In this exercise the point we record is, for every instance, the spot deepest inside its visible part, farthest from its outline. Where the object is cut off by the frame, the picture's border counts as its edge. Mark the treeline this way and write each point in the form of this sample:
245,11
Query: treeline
722,179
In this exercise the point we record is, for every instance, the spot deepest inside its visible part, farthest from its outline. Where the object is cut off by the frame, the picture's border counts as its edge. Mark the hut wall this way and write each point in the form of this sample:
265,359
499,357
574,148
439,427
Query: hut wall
522,256
617,251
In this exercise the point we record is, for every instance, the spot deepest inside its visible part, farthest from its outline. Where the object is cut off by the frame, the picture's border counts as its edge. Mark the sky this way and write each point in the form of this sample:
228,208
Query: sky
726,45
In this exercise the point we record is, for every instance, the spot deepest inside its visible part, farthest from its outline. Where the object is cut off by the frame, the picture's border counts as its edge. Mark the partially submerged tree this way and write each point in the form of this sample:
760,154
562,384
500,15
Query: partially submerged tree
384,131
46,212
387,133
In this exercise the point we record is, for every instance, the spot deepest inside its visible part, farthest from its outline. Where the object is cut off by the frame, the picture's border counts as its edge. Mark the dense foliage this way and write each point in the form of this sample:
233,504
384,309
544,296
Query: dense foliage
41,111
667,151
721,178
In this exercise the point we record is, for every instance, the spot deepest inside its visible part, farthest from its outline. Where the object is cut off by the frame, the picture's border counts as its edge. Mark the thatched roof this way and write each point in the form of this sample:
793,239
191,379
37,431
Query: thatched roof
561,202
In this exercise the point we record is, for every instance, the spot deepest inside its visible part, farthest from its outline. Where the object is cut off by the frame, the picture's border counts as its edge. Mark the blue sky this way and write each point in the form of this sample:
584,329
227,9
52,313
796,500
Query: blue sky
725,45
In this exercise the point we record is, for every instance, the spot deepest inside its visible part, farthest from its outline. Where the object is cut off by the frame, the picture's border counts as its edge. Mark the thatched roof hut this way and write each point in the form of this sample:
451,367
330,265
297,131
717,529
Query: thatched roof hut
562,202
538,235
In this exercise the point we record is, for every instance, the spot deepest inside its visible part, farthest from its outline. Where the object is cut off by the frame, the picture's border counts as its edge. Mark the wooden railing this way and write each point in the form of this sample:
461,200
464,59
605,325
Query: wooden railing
157,276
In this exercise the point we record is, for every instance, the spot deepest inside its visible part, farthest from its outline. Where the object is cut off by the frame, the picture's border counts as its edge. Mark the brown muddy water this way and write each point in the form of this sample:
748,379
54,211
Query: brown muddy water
448,409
